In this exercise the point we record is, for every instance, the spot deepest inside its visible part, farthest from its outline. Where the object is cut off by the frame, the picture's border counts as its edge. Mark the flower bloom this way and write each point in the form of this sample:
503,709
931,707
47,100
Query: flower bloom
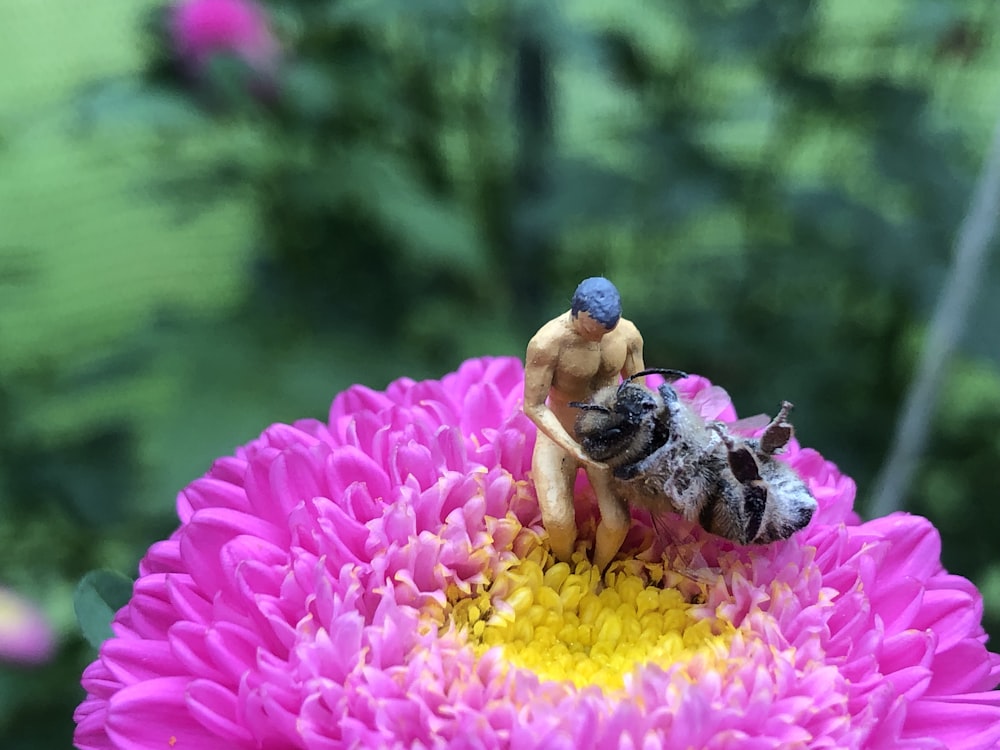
383,580
25,635
202,28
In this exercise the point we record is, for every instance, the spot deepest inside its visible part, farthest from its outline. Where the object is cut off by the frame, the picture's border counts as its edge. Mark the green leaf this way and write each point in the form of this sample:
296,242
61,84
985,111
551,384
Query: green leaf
98,596
375,14
310,90
434,231
122,103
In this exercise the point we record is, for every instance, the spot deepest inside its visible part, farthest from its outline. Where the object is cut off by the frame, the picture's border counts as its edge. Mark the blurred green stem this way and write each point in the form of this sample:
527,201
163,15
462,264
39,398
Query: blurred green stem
531,245
946,327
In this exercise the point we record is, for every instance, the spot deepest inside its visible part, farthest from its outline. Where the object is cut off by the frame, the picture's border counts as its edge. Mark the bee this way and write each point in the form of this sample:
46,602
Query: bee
665,457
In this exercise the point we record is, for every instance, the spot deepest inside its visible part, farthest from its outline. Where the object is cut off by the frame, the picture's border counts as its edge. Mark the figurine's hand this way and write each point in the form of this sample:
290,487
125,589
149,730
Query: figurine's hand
586,460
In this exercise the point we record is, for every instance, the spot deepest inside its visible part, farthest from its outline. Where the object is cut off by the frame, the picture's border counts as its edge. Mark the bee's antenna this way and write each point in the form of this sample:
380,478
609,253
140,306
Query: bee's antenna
668,374
589,407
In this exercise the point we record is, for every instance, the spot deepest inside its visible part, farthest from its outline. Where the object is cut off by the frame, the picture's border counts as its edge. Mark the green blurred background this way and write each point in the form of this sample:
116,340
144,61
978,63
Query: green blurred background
774,186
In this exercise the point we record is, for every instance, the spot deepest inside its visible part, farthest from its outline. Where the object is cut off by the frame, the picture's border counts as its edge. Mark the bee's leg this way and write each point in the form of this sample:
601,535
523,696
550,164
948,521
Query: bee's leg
667,393
741,460
746,471
778,432
720,429
627,471
653,463
743,464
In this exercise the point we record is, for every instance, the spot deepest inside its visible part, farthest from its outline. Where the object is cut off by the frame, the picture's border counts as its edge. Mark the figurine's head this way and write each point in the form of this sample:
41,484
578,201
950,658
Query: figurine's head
597,307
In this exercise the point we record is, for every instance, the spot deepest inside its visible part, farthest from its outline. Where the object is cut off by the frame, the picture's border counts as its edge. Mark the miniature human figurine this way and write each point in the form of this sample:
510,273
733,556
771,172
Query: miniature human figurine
569,359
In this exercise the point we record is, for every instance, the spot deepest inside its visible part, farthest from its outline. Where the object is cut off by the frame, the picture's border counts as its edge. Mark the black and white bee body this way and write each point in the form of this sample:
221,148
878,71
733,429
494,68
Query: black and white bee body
665,457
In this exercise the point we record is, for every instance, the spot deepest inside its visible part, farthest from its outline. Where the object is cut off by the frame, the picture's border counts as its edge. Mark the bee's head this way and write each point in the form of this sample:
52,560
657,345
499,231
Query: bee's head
633,402
610,424
622,419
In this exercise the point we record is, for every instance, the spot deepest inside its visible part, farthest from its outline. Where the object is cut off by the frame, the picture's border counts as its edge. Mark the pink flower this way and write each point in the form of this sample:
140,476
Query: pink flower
382,580
25,634
202,28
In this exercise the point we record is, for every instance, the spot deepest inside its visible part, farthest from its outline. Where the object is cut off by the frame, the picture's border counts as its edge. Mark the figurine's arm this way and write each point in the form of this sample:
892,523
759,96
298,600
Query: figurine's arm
540,367
633,356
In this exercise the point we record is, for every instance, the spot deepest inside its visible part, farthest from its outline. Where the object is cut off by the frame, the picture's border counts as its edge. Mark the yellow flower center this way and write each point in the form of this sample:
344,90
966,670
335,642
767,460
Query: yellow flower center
564,623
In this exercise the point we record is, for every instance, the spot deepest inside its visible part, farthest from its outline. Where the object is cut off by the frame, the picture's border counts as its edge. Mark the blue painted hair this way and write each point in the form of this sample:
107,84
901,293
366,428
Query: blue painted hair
600,299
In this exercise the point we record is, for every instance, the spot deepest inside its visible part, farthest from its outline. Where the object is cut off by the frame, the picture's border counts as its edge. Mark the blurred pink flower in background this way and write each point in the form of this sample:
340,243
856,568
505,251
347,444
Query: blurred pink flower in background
203,28
25,635
379,579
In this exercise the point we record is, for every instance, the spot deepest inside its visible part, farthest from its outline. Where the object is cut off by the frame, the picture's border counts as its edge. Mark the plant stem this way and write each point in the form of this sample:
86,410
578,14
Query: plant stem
960,287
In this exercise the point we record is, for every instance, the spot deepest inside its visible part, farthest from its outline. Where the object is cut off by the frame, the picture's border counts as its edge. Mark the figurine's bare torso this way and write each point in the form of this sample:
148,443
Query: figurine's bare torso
581,367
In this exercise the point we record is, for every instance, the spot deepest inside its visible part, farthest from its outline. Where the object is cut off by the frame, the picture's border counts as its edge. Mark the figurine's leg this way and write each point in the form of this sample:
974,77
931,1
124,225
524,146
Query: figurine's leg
554,474
615,519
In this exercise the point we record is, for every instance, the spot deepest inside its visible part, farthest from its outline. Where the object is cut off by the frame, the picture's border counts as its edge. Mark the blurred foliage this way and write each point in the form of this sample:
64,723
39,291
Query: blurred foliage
774,185
98,596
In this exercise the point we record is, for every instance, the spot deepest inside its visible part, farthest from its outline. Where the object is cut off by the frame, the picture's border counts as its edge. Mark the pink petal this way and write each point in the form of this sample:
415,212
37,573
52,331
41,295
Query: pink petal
154,714
959,726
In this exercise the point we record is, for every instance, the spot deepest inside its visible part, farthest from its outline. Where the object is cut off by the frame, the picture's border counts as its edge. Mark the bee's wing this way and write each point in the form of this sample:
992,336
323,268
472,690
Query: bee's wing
682,561
691,564
749,425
